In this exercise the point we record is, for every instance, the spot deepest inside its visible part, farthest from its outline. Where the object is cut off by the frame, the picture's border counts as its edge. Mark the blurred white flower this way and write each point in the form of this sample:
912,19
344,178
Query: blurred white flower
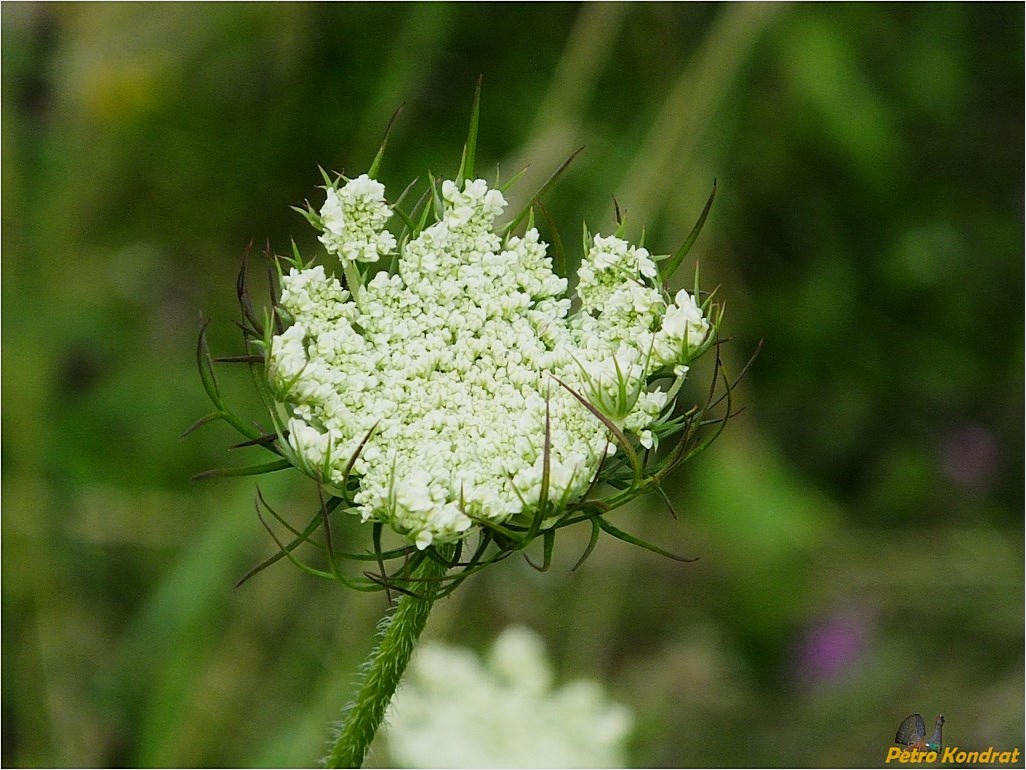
456,711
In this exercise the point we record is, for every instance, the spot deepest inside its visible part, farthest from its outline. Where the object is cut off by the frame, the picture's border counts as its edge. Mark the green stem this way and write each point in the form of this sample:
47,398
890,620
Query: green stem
397,638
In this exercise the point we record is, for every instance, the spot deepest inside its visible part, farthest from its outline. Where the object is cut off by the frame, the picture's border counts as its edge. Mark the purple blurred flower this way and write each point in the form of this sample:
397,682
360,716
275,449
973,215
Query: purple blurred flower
831,646
969,455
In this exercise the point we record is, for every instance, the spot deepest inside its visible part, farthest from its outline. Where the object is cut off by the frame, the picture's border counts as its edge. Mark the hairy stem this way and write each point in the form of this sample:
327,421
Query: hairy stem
383,670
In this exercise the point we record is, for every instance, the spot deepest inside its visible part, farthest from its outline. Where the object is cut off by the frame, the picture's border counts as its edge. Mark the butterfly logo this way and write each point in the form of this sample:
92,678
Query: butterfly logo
912,733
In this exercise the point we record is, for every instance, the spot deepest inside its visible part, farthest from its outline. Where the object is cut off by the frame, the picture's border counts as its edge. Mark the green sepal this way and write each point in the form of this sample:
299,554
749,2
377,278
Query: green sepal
206,365
408,223
425,212
296,260
304,536
209,380
621,220
404,193
543,491
349,582
245,303
436,198
508,184
281,547
265,441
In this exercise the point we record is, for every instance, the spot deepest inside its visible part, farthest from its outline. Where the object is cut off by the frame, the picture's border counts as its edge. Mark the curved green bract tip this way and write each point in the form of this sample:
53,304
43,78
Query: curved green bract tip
470,148
670,266
372,172
526,210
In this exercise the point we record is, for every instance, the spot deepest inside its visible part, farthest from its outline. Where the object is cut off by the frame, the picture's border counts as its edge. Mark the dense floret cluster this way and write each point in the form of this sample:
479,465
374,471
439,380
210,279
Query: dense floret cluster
460,363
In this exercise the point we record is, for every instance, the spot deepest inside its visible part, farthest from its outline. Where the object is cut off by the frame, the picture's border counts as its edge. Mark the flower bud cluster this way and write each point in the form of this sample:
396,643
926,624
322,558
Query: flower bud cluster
455,364
353,218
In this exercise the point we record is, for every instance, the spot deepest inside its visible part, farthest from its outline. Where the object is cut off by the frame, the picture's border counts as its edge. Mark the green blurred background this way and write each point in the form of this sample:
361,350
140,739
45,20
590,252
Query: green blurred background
859,525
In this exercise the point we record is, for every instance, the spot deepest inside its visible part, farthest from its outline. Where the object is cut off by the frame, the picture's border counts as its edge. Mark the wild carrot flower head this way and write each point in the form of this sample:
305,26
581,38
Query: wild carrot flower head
438,374
461,365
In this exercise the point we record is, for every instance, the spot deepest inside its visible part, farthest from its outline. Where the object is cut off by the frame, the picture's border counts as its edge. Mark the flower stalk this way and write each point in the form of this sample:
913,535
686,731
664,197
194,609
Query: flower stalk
397,638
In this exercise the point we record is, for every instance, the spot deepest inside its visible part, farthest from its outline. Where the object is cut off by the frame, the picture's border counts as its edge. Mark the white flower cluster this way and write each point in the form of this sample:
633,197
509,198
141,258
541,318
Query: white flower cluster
518,719
354,218
450,363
